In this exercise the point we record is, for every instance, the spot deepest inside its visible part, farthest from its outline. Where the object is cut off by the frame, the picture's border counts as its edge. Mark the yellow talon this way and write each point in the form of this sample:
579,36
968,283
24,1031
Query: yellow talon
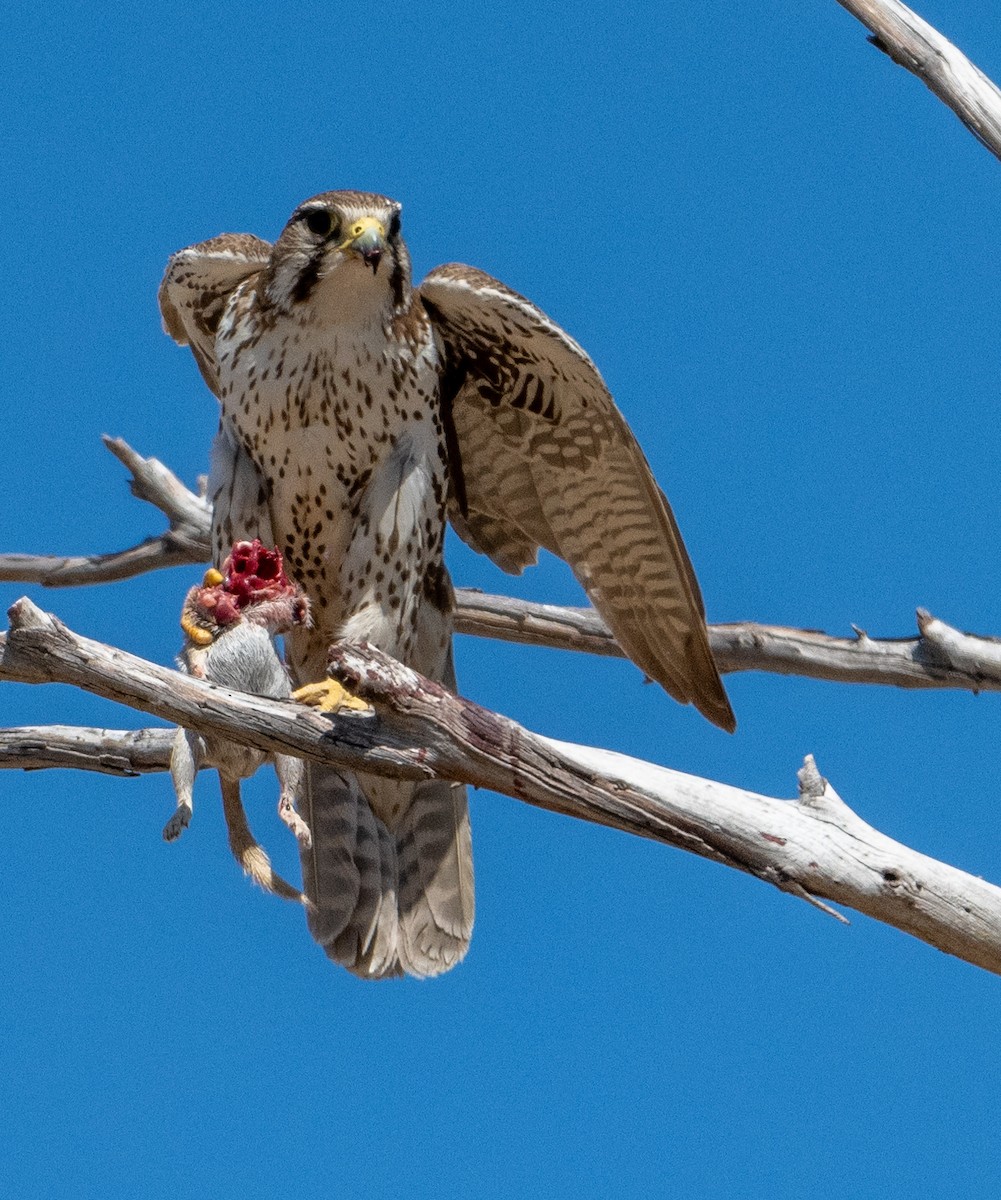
193,630
194,633
329,696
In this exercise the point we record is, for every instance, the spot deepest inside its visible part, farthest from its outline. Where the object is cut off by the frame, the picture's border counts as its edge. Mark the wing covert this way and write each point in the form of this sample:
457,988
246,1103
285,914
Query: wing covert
546,459
196,285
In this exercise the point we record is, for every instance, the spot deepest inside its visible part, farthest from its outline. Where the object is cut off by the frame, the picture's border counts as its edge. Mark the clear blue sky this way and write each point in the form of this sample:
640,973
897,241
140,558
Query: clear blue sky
781,250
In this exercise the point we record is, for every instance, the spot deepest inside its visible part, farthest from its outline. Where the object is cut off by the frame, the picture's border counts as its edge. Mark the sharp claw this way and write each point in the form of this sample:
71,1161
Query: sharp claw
193,631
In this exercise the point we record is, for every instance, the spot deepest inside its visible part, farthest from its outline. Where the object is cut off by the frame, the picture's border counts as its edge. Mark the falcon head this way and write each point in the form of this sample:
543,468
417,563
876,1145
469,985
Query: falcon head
342,254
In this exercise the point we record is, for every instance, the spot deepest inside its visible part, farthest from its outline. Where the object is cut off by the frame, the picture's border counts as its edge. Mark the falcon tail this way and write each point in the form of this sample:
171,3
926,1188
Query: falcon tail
384,902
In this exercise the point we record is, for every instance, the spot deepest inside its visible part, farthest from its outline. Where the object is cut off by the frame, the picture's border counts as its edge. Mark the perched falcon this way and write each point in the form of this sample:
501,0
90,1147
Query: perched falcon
358,412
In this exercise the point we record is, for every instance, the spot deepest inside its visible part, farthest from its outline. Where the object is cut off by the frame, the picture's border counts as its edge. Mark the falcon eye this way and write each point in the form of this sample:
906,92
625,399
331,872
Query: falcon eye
394,225
320,222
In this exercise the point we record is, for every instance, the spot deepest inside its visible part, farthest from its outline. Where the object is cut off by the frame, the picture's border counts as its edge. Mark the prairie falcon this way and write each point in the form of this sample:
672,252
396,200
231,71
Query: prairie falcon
357,413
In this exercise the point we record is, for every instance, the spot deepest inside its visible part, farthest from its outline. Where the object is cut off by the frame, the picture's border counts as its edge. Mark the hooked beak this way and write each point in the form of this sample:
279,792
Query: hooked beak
367,239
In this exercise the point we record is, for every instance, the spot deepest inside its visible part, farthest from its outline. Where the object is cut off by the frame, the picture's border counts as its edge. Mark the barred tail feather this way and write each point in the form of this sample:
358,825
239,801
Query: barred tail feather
436,879
349,875
386,902
368,947
435,848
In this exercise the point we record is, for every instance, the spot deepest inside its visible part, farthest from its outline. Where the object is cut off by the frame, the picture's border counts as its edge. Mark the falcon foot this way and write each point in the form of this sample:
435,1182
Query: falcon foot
329,696
177,823
295,823
194,619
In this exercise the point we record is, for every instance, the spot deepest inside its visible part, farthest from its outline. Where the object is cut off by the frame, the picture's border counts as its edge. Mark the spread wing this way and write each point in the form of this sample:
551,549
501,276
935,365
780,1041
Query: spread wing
542,457
196,285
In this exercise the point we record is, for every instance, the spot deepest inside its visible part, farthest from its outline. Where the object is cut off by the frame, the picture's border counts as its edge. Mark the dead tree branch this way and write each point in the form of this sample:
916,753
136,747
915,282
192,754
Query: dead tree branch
933,660
814,847
913,44
928,661
186,541
125,752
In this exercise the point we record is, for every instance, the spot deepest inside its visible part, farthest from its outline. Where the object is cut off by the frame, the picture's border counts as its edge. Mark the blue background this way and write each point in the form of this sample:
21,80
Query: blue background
781,251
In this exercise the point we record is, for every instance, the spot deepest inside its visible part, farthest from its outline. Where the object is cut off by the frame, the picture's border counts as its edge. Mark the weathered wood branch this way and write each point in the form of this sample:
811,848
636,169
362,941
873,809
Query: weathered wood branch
913,44
814,847
933,660
186,541
126,752
927,661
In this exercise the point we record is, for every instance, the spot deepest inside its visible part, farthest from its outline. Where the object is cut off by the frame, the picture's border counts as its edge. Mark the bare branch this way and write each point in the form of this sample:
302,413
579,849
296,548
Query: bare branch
962,651
107,751
815,848
186,541
54,570
153,482
923,662
915,45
